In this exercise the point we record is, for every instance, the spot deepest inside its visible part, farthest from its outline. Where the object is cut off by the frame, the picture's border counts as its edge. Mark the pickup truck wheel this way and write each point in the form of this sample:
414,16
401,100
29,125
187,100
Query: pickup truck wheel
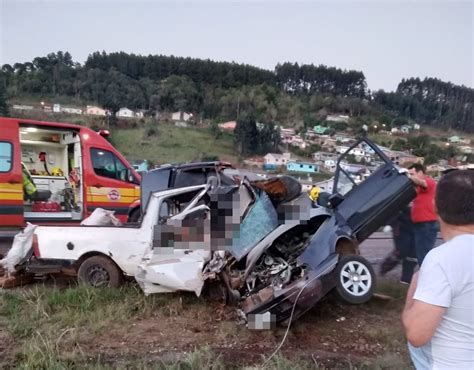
355,279
99,271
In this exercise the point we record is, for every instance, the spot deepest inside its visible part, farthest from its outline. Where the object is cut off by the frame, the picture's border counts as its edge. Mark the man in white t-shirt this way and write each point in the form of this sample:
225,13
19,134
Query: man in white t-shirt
439,312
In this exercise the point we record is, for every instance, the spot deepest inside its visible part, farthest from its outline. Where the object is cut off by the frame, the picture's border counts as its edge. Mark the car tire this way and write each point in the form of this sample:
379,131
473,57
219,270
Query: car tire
134,216
99,271
355,279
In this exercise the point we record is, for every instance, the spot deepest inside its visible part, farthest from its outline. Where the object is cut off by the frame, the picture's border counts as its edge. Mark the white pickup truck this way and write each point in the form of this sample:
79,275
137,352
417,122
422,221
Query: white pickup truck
104,255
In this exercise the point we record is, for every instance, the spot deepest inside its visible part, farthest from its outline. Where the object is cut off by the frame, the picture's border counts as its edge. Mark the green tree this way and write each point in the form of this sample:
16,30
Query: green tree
246,135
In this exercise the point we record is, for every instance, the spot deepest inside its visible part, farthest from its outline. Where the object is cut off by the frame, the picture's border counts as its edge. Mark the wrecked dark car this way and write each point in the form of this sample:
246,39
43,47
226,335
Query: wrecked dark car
265,246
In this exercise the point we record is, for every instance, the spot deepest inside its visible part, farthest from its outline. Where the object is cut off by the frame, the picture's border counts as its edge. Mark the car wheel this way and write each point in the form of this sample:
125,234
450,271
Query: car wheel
355,279
134,216
99,271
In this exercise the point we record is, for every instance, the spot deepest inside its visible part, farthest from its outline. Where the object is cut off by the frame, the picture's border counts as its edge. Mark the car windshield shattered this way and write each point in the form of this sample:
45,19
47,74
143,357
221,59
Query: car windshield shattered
264,246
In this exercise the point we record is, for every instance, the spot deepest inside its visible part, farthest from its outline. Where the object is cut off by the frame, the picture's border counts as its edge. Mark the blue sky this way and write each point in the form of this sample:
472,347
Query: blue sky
387,40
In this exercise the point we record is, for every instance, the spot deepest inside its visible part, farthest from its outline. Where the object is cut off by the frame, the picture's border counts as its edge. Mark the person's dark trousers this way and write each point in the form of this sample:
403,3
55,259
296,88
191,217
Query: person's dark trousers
405,243
408,268
425,238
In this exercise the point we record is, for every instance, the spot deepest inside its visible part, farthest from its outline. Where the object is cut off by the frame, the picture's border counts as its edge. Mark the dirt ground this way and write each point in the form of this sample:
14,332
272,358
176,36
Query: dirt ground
331,335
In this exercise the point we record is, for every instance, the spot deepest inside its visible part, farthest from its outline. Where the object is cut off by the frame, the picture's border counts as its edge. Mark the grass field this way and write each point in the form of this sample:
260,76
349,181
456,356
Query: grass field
70,327
170,144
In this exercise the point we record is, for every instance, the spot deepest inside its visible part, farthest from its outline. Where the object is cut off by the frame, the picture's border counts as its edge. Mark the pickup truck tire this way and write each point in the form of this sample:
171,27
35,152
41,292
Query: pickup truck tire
355,279
99,271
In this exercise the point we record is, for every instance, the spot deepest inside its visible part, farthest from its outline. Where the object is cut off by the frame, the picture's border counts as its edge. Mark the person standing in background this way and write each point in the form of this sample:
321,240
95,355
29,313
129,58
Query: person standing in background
423,214
404,251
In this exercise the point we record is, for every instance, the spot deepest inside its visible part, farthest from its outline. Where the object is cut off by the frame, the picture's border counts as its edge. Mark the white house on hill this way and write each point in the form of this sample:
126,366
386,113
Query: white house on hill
125,113
277,159
181,116
93,110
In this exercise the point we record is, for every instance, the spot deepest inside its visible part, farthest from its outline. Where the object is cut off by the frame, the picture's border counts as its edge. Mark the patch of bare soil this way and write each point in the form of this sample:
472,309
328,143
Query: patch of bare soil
332,334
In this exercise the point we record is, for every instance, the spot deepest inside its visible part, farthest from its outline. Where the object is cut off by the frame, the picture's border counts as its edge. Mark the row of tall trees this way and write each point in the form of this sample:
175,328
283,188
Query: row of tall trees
431,101
222,90
320,79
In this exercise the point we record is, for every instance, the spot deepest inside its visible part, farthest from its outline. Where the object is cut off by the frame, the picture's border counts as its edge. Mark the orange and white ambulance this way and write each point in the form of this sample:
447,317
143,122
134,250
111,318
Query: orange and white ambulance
58,173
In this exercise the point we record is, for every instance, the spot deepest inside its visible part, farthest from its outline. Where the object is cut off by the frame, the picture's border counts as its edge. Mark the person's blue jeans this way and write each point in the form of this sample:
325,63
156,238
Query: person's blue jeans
425,238
420,358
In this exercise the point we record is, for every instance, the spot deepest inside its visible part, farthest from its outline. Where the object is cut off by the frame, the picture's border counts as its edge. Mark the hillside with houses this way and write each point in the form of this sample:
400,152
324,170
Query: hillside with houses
272,121
309,153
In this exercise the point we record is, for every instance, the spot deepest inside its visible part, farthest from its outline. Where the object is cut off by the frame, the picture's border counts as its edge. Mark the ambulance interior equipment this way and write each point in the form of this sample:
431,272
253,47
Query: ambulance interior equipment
52,157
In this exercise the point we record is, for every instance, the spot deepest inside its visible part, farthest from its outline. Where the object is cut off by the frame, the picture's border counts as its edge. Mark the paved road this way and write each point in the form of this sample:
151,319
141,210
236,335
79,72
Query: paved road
377,247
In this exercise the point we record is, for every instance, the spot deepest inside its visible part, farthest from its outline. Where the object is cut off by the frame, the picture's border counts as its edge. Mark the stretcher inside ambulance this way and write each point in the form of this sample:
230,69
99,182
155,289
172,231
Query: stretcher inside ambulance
59,173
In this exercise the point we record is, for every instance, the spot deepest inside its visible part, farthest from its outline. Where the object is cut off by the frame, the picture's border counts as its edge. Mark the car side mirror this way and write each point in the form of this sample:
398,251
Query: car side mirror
334,200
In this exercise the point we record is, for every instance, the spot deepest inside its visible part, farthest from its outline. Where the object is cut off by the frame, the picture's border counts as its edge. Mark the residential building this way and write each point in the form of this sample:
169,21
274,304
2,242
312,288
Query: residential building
295,140
140,113
320,130
310,134
454,139
395,130
56,108
93,110
22,107
342,149
323,156
402,158
344,138
227,126
328,143
405,129
358,152
330,165
181,116
71,110
326,185
302,167
277,159
337,118
416,126
287,131
125,113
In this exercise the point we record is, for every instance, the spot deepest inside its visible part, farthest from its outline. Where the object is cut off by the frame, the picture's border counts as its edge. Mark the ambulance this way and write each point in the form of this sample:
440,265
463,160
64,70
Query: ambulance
58,173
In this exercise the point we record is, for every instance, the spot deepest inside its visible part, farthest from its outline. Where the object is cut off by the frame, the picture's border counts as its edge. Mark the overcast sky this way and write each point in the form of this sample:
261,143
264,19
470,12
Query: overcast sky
387,40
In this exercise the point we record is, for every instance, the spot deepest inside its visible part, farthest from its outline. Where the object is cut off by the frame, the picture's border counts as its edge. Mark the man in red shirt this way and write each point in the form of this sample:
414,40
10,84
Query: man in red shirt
423,212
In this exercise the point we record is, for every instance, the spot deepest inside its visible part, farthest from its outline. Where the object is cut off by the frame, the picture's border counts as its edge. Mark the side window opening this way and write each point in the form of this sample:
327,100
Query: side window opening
107,164
353,169
190,178
6,154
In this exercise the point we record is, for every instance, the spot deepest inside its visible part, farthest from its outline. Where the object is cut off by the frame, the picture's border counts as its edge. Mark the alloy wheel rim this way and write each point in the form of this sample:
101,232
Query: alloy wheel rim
355,278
